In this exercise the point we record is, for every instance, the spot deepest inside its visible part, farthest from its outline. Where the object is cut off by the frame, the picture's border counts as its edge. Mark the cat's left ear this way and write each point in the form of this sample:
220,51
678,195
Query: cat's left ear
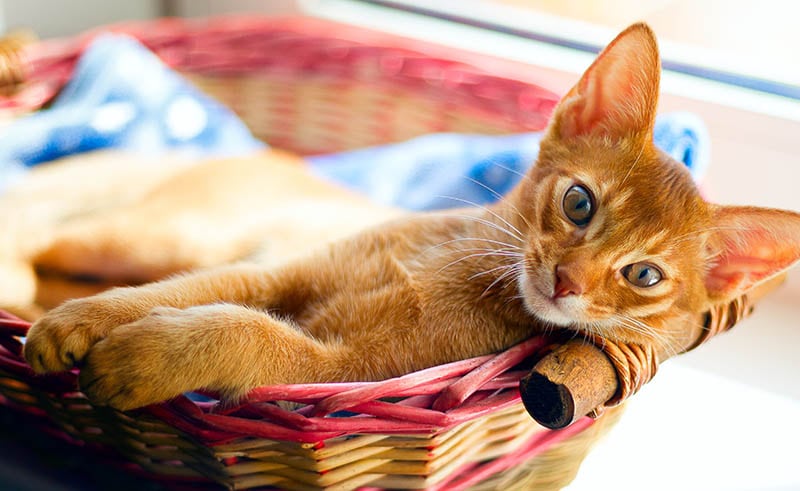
617,95
749,246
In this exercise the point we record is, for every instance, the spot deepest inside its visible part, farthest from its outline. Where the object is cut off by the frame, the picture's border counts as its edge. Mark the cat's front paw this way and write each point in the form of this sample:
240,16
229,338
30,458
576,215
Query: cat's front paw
141,363
61,338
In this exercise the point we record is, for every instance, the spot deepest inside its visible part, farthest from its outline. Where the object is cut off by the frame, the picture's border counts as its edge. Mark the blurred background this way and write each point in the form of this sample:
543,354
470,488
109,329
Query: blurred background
726,416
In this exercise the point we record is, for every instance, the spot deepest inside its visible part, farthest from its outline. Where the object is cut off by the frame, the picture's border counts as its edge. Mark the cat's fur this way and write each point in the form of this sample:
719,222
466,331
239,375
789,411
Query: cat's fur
431,288
83,224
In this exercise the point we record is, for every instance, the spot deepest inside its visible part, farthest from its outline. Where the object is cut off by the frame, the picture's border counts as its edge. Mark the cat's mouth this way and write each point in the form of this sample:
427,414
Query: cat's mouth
541,301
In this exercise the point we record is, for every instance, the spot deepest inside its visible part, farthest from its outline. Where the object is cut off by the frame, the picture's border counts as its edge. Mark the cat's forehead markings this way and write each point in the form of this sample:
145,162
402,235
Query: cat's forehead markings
584,178
616,198
655,243
667,248
597,226
643,254
629,258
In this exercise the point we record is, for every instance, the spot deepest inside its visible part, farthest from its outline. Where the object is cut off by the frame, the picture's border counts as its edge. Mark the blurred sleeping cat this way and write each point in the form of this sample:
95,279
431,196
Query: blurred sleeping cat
604,235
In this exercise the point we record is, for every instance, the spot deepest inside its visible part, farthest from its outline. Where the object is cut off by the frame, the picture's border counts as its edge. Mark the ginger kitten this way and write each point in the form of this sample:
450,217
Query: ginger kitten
605,235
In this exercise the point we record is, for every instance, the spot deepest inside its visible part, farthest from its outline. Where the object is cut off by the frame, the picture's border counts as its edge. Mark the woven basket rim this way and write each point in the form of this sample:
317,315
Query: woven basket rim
442,397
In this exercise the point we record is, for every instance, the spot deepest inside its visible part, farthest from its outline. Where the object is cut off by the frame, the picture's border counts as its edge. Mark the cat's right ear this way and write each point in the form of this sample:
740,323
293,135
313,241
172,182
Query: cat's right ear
749,246
617,95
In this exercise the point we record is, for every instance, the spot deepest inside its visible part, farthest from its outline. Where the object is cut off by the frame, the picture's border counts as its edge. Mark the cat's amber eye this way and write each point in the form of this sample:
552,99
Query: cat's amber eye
642,275
578,205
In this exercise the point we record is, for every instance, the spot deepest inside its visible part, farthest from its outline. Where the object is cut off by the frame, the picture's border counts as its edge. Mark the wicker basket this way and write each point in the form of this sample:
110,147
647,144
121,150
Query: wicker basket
312,87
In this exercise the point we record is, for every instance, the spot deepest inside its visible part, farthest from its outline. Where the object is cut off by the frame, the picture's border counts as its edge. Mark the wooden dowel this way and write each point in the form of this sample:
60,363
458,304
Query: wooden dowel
568,383
578,377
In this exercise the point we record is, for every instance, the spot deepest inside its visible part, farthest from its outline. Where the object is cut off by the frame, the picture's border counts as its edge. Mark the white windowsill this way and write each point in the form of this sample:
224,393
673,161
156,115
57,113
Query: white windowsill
696,431
545,55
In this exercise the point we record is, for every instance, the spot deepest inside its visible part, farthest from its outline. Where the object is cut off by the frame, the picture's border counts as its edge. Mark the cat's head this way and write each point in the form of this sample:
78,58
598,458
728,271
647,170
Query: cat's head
620,241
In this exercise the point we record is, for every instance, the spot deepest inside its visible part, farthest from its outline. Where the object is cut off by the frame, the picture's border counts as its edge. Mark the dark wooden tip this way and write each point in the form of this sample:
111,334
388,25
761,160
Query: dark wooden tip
550,404
567,384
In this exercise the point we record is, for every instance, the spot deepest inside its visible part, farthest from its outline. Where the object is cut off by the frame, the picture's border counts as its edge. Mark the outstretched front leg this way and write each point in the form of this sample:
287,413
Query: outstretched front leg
62,338
357,318
226,348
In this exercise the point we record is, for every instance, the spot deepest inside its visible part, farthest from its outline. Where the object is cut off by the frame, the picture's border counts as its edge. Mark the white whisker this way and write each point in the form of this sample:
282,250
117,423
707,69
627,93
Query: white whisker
499,197
693,235
493,225
490,271
636,161
494,214
514,271
646,330
476,239
513,171
464,258
511,248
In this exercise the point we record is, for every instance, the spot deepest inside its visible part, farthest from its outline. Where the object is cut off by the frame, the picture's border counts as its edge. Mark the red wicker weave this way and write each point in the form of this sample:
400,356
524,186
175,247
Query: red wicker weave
311,87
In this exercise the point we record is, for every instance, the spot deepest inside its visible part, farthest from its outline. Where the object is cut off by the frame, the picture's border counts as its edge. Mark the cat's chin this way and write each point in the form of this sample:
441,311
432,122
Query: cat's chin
552,316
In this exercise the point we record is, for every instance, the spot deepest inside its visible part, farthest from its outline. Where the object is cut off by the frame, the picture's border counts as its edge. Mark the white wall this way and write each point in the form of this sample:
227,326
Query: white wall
202,8
55,18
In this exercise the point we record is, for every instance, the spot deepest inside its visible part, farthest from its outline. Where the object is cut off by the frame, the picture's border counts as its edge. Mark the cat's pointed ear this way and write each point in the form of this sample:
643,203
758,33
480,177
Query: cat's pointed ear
749,246
617,95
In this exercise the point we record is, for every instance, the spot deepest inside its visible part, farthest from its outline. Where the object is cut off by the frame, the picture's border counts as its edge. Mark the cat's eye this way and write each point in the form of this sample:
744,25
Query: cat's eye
642,275
578,205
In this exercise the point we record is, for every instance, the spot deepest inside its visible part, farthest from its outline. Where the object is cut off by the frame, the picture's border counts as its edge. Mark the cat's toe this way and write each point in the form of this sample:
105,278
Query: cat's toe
60,340
110,381
107,388
45,349
131,368
41,355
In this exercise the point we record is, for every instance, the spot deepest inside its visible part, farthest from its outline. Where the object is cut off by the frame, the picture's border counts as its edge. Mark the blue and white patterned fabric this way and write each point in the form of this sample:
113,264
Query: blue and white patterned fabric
122,96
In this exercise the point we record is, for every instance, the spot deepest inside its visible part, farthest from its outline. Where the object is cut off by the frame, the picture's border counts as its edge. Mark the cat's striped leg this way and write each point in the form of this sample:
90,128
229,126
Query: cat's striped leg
225,348
61,338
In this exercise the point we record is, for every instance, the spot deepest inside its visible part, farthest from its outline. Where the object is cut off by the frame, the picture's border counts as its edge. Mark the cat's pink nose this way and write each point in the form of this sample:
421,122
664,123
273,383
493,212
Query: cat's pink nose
565,285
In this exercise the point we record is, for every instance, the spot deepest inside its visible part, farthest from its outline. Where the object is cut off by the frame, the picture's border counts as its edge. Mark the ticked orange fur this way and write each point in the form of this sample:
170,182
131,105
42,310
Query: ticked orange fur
430,288
123,220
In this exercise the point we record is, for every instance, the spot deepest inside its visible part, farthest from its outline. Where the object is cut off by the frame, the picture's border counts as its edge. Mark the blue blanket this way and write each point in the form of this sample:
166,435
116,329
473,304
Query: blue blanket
447,170
121,96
